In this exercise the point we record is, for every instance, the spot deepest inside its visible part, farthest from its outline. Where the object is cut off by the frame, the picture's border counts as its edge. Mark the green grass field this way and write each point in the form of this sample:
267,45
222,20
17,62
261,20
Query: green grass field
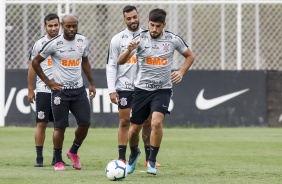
214,156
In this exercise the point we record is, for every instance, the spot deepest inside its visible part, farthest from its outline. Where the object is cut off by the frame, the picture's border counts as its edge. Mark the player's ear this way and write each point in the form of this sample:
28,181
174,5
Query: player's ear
164,24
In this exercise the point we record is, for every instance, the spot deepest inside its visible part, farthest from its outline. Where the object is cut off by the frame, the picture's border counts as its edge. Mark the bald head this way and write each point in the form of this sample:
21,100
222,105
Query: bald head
70,18
70,26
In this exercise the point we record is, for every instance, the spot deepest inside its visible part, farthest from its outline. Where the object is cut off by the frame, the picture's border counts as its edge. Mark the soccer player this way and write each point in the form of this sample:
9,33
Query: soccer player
120,80
154,49
43,94
69,53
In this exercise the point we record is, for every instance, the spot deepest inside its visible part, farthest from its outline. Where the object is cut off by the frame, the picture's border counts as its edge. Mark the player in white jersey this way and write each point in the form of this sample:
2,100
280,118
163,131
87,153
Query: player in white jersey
69,53
43,94
120,79
154,50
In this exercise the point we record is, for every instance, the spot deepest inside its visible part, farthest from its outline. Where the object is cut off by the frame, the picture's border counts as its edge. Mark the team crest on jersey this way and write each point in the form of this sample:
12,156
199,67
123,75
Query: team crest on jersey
41,115
166,47
57,100
80,48
123,101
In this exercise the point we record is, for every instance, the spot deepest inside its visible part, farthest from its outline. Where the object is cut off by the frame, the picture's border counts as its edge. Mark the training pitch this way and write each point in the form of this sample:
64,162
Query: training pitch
187,155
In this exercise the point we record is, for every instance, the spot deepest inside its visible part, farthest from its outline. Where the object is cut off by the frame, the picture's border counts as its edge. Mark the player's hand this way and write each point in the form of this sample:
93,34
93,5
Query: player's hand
31,96
132,45
92,91
114,97
54,85
176,77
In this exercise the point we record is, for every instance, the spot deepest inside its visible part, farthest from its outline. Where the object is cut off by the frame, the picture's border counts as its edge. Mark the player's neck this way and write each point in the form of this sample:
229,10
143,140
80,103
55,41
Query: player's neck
49,37
68,38
134,30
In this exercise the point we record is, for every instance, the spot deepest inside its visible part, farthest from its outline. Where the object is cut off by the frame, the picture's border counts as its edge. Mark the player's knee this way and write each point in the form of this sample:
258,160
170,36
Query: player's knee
125,121
135,129
156,124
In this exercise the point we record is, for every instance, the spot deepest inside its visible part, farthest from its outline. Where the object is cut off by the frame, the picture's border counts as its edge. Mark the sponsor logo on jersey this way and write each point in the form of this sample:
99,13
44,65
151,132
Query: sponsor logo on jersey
129,85
70,85
153,84
144,36
124,36
70,62
168,37
79,40
132,60
60,43
49,62
71,50
156,61
155,47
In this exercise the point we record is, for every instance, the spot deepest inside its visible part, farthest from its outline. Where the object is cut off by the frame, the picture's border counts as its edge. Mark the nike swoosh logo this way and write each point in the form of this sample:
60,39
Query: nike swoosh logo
204,104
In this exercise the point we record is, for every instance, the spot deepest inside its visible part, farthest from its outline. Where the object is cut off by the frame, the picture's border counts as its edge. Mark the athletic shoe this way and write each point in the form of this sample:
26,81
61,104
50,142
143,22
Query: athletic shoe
151,168
157,164
53,163
131,164
38,162
59,166
74,159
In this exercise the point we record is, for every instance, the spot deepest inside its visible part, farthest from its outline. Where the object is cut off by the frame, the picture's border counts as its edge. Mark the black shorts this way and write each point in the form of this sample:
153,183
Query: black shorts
43,107
146,102
125,99
74,100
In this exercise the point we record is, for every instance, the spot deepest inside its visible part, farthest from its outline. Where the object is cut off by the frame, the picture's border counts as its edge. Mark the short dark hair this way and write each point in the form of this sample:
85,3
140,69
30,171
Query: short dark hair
51,16
129,8
157,15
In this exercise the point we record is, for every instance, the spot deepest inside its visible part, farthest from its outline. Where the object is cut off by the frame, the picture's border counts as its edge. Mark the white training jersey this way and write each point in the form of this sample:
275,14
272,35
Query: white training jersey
46,65
154,59
66,58
121,77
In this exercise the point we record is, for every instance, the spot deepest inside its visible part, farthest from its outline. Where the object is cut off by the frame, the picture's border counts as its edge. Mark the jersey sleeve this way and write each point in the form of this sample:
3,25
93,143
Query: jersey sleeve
86,50
35,50
180,45
111,68
47,49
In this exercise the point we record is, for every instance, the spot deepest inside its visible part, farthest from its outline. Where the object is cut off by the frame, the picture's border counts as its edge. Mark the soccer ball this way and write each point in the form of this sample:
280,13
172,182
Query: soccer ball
116,170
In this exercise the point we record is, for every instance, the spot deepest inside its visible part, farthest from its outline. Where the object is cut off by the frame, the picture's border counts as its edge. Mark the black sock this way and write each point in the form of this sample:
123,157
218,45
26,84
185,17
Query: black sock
74,147
153,153
122,151
147,151
58,155
39,155
134,151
